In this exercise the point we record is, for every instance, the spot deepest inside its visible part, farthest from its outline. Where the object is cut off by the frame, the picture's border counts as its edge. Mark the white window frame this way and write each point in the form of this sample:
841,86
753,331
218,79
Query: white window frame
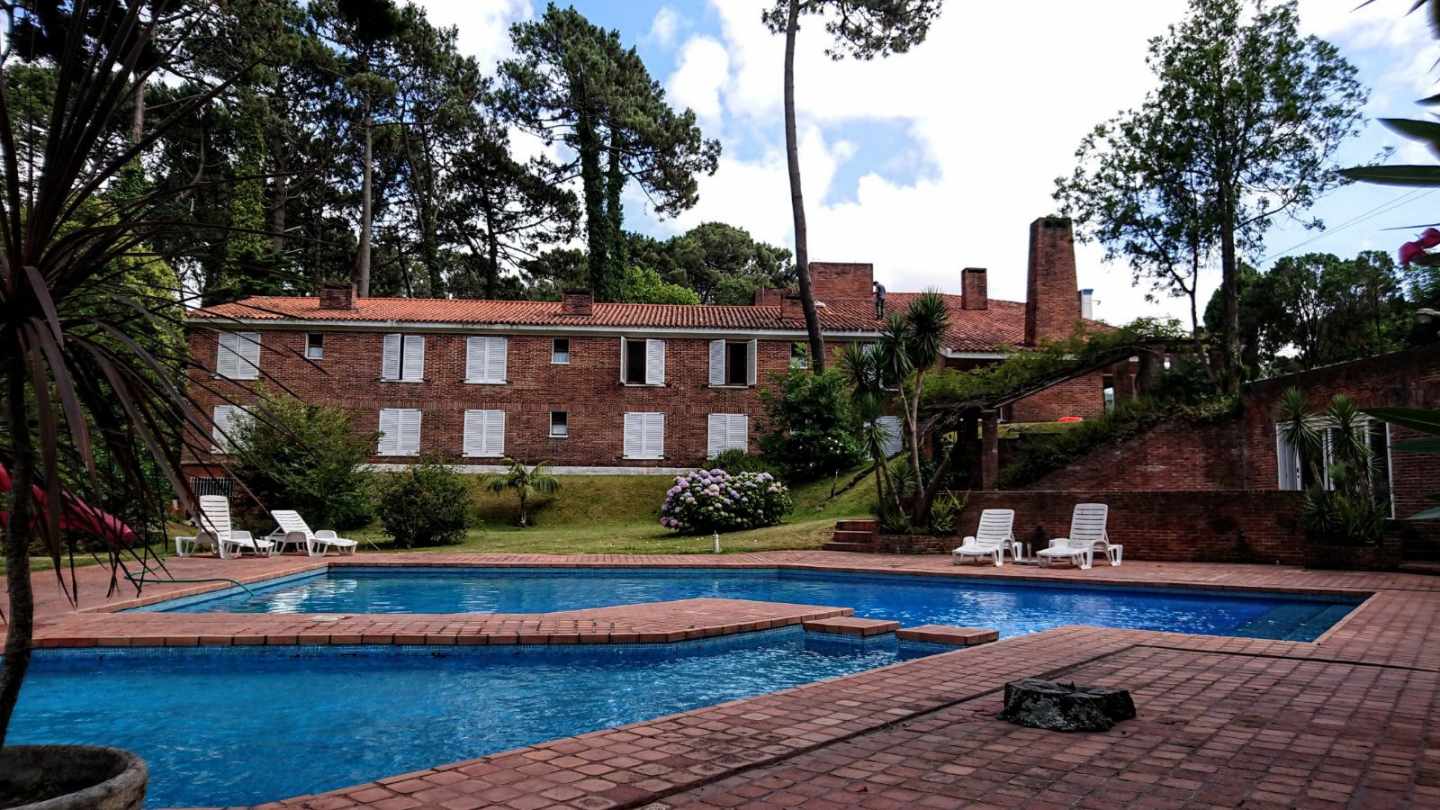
654,375
1287,456
725,432
557,357
648,427
487,444
487,359
400,445
720,363
409,353
314,352
565,428
225,420
237,355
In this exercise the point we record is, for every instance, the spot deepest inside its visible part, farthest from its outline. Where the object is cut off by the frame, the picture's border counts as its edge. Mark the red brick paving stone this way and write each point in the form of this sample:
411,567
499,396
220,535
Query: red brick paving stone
851,626
947,634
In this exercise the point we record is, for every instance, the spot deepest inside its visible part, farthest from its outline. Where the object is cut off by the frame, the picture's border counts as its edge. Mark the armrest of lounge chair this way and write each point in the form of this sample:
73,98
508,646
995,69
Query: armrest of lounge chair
327,534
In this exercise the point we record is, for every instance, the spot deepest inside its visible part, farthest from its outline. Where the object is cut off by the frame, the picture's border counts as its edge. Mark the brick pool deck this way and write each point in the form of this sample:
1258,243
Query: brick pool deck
1352,720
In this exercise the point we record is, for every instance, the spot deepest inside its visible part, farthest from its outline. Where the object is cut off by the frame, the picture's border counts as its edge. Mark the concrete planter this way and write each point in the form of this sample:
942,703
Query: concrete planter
72,777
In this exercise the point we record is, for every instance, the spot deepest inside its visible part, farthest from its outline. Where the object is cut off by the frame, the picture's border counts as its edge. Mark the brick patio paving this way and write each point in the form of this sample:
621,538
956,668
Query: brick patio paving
1348,721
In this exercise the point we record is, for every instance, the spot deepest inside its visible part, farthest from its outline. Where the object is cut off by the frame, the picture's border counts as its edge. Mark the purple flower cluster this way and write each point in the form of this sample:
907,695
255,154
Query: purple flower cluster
716,501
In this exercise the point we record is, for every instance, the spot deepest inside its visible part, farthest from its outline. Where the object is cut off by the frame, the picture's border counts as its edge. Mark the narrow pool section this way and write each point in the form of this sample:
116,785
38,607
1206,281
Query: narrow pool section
230,726
1012,607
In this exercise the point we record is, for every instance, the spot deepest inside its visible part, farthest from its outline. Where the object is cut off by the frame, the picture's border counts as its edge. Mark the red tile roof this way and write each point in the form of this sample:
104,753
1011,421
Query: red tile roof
1000,326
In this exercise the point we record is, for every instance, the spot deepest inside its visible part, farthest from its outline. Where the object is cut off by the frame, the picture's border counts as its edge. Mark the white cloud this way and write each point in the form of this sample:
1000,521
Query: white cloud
702,73
664,27
484,26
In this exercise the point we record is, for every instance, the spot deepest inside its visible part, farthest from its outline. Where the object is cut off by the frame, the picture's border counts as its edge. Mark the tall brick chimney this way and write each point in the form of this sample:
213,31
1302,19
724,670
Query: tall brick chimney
337,296
768,297
843,282
791,308
1052,302
975,292
577,302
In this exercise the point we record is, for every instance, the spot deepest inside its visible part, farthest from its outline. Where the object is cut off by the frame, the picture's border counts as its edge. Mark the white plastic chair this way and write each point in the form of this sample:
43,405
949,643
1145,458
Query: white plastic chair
216,531
993,537
1087,536
293,530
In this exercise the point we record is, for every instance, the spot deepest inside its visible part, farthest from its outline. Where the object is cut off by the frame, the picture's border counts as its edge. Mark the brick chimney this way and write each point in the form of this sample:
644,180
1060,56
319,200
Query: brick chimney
975,292
1052,303
577,302
790,307
337,296
768,297
843,283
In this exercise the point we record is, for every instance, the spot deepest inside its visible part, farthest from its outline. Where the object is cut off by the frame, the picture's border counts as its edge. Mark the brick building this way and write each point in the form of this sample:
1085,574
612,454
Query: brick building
593,386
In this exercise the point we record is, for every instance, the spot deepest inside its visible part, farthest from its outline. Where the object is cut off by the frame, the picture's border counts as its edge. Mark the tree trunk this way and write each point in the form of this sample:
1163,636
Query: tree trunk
362,257
614,210
1230,286
797,199
20,628
137,117
597,225
524,517
279,198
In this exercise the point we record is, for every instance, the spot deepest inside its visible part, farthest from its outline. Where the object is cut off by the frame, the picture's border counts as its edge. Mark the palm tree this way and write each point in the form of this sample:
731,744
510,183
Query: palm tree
527,483
94,402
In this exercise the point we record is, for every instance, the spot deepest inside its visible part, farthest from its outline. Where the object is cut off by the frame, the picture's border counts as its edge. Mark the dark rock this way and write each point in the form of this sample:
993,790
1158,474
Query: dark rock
1064,706
71,777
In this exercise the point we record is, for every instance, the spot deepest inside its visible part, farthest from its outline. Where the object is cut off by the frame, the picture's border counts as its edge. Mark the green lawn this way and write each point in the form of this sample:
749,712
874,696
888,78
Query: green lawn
595,514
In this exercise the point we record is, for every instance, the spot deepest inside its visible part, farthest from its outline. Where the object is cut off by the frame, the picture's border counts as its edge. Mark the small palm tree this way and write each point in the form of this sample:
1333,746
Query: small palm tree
527,483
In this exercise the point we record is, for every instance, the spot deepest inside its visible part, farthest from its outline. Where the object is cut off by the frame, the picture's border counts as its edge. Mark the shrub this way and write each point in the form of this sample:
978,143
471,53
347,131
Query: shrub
427,505
716,501
739,461
292,455
810,429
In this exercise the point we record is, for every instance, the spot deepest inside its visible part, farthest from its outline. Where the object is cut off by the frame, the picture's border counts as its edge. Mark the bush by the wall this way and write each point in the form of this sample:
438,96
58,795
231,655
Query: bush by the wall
810,430
739,461
716,501
427,505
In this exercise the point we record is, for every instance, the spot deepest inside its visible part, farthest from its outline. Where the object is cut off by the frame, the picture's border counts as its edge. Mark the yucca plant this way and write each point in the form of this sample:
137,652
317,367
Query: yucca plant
1346,512
526,482
94,403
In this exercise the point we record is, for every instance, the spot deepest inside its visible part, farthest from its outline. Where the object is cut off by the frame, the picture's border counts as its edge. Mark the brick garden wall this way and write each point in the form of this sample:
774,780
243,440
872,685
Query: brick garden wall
1083,397
1173,456
1218,526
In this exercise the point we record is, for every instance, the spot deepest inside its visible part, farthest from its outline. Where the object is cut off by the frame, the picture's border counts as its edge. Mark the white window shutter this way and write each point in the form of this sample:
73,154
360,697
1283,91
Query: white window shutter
754,358
717,362
495,433
891,426
496,351
224,419
410,432
474,360
389,433
1286,462
634,434
654,435
249,346
654,362
390,358
473,443
737,432
623,362
414,358
715,435
227,356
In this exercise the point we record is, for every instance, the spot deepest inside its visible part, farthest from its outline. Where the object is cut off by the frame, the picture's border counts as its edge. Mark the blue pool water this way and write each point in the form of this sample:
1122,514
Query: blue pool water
240,725
1011,607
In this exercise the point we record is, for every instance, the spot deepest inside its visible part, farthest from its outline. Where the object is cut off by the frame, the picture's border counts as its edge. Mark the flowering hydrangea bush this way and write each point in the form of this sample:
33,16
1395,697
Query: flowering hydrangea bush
716,501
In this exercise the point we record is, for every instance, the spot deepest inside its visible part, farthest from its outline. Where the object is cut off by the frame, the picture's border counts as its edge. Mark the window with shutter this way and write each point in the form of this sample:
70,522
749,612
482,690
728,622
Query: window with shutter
238,355
645,435
1287,462
560,352
752,357
486,359
315,346
654,362
484,434
732,362
399,432
893,443
403,358
727,431
226,421
409,432
717,362
636,362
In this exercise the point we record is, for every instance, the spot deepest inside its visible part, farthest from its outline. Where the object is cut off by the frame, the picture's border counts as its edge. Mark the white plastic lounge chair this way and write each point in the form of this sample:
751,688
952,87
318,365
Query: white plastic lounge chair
993,537
216,532
295,531
1087,536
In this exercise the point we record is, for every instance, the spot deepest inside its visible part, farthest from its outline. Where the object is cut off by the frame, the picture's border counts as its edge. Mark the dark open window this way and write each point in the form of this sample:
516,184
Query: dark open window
560,351
737,364
559,424
315,346
635,362
1107,391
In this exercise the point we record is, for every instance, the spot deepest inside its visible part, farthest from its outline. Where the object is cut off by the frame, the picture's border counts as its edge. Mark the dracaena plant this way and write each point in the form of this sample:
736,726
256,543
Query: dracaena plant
92,383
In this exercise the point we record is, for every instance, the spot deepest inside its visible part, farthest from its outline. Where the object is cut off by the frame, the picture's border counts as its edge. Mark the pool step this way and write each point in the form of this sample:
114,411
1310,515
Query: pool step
949,635
851,626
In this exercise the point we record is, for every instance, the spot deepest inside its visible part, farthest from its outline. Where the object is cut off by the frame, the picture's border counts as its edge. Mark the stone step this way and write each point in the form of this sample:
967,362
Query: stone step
851,626
856,525
948,634
863,548
851,536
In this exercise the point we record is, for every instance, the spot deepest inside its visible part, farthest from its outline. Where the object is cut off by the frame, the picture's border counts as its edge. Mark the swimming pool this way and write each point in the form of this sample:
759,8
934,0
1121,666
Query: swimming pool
1011,607
227,726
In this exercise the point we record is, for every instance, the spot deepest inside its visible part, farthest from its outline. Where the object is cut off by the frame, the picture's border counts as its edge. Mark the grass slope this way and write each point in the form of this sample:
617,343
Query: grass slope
620,514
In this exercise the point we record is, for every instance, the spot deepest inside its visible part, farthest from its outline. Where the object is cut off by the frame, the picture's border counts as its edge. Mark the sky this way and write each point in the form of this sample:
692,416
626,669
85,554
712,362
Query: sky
938,159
